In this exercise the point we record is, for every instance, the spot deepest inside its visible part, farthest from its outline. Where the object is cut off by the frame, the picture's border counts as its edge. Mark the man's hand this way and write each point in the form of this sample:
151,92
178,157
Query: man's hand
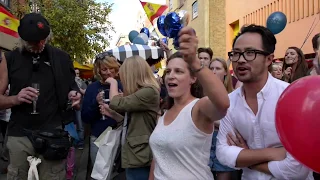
236,140
26,95
75,97
278,154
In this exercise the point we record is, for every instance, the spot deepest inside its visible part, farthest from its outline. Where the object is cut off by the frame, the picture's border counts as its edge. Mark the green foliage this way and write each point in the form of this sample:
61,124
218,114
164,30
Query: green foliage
79,26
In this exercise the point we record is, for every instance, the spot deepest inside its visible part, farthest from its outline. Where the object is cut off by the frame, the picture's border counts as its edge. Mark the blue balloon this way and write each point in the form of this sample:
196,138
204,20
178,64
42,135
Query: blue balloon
276,22
176,43
160,24
132,35
165,40
146,31
139,40
172,24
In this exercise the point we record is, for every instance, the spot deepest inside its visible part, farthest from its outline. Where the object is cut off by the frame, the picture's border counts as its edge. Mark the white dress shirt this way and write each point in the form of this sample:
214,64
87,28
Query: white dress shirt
259,132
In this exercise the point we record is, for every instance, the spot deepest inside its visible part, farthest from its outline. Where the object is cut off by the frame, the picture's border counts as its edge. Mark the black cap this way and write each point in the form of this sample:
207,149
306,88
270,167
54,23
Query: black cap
34,28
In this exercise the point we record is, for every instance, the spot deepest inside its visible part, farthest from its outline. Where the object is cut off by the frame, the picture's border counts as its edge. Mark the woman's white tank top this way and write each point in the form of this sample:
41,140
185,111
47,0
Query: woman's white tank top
180,149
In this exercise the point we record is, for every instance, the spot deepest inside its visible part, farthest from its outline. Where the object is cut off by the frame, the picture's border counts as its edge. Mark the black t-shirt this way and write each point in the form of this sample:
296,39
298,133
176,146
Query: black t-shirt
22,73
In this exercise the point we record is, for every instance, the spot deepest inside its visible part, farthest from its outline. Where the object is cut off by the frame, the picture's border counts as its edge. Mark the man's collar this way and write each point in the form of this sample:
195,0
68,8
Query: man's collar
264,91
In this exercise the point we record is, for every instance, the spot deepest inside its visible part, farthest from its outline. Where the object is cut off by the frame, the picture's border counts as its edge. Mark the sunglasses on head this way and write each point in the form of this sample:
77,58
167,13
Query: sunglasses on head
101,56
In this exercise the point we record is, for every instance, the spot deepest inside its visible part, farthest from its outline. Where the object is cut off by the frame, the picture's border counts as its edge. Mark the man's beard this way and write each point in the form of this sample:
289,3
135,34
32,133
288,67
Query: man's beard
31,48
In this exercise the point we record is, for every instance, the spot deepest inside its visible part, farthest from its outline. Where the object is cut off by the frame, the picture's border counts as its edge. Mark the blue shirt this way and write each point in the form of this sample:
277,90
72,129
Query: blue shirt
90,112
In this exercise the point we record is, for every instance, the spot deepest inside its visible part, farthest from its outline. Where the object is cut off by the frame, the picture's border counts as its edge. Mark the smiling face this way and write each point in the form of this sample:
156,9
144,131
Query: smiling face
277,71
106,72
291,57
178,79
250,71
218,69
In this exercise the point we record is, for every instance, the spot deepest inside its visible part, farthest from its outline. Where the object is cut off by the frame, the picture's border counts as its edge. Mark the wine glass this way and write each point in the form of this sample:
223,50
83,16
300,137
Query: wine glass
34,101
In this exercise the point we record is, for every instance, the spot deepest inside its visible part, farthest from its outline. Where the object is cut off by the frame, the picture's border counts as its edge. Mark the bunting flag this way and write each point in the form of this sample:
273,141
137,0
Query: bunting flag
8,23
153,10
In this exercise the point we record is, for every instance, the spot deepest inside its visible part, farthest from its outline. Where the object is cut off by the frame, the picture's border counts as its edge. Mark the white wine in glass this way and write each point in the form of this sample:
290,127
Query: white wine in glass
34,101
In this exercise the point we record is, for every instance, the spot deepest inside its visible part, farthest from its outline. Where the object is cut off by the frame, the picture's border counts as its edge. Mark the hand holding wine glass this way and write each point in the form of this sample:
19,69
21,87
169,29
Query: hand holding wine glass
36,86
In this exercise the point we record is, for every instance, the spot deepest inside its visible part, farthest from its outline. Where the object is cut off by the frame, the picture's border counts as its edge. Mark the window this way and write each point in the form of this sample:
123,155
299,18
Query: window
34,7
195,9
5,2
181,3
170,4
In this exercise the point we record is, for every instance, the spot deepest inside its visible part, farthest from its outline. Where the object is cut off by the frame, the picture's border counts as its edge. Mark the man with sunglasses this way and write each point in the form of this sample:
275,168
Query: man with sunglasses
247,136
37,62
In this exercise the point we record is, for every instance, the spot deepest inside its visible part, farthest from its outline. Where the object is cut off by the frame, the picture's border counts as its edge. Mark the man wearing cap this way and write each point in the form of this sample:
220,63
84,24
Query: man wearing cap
35,61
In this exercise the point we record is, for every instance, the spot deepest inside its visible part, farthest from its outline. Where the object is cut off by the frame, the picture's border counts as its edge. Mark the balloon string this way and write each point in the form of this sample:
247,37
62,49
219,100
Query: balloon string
310,31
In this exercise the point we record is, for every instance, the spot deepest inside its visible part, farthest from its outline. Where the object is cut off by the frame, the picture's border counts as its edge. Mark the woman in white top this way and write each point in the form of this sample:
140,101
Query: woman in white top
182,139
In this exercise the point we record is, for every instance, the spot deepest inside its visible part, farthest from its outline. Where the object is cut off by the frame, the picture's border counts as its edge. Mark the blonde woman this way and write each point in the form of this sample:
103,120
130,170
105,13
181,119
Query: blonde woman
219,67
141,103
105,67
276,71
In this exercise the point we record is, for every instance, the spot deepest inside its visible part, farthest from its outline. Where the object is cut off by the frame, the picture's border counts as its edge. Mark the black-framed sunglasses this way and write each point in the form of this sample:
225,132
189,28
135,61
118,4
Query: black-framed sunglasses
248,55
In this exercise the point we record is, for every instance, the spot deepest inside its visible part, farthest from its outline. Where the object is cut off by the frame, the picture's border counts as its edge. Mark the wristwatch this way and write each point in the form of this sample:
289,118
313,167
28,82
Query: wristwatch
201,67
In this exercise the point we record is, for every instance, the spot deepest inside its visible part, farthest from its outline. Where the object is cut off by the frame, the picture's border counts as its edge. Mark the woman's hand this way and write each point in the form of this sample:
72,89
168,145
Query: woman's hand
99,97
105,110
188,43
111,80
287,73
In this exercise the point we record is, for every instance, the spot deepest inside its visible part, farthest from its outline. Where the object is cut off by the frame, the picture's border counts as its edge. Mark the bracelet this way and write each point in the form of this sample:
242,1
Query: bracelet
198,70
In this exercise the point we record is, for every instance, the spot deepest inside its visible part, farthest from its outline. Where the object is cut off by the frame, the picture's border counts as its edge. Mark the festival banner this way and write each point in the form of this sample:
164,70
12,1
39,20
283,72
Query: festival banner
153,10
8,23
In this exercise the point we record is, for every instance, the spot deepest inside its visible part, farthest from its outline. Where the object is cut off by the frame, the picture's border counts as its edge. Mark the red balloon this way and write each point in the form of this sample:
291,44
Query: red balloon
298,121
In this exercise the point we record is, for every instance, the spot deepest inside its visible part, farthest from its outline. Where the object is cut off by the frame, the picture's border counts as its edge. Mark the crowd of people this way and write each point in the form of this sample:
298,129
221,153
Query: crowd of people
198,121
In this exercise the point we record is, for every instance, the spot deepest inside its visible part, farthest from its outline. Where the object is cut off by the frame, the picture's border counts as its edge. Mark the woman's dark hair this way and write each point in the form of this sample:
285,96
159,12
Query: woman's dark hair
196,88
315,44
302,67
206,50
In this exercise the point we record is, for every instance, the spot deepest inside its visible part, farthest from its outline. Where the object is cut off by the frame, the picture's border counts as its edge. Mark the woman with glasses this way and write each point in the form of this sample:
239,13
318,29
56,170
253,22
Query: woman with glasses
105,67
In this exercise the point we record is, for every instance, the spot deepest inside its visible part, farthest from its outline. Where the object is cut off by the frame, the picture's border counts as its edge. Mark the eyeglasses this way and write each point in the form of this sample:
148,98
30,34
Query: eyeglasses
248,55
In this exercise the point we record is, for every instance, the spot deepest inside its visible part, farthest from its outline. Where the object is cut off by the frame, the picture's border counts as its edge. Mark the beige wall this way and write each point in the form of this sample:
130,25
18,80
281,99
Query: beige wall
8,42
200,23
300,15
217,30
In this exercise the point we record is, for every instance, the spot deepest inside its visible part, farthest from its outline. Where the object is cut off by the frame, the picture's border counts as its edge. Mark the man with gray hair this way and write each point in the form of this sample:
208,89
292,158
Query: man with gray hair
38,113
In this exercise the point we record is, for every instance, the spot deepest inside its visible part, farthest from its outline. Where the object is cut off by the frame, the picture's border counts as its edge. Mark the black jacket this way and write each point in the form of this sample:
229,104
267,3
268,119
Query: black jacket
63,70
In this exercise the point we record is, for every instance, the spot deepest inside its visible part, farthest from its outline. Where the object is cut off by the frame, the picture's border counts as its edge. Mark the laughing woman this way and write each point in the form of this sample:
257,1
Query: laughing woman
182,139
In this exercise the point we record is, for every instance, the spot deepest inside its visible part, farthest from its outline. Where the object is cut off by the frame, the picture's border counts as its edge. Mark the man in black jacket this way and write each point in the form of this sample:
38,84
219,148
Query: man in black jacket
36,62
